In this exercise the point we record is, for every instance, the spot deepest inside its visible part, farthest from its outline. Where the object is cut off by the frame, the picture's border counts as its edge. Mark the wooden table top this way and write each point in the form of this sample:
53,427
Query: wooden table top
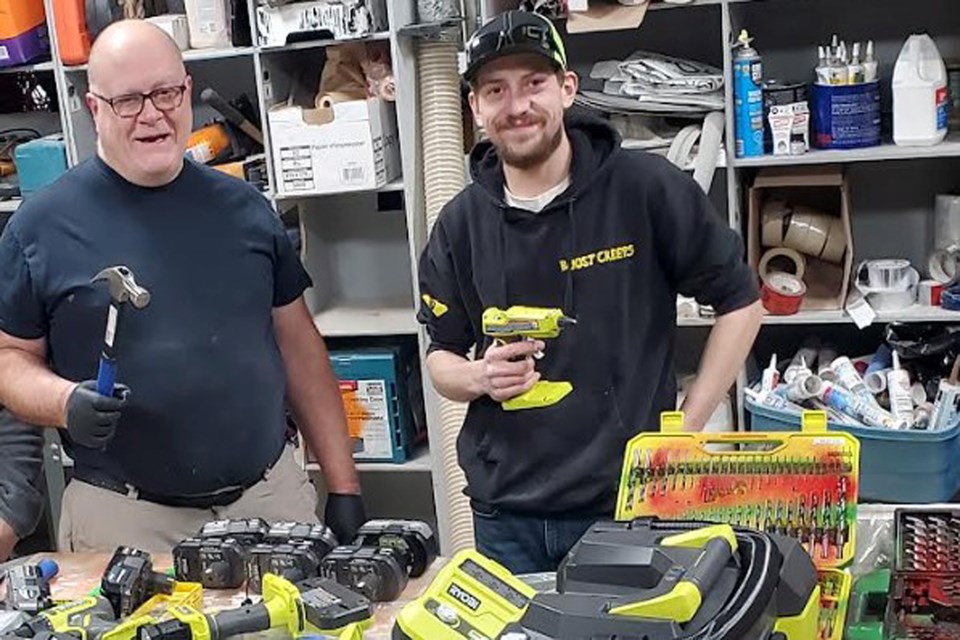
80,573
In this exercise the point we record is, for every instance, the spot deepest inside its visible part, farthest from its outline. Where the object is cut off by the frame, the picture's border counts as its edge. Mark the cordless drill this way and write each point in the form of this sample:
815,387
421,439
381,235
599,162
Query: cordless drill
529,323
86,619
313,607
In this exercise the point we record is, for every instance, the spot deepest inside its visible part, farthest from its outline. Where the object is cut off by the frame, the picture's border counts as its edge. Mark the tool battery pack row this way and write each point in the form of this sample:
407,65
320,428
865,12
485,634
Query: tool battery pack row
802,485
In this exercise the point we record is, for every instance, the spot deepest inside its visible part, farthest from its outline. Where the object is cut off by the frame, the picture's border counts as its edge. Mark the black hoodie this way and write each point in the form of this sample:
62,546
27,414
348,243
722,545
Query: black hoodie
612,251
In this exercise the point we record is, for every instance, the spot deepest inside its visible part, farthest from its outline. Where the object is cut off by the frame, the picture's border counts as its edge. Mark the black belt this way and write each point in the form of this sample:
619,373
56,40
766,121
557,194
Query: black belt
220,498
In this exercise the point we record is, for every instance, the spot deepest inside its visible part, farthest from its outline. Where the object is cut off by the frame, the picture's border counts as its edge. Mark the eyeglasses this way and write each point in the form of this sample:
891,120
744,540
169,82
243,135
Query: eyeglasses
131,105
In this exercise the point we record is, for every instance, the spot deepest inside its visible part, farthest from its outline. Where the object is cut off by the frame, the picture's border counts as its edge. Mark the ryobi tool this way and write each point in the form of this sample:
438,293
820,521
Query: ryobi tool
86,619
123,289
283,607
643,579
28,586
529,323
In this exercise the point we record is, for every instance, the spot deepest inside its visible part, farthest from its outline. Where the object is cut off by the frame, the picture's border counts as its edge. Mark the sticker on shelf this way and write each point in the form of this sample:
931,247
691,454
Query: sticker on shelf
4,53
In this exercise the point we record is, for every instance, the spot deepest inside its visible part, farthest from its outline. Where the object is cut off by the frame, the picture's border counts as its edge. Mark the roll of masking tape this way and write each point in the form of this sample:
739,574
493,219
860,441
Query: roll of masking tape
774,212
808,231
836,242
784,257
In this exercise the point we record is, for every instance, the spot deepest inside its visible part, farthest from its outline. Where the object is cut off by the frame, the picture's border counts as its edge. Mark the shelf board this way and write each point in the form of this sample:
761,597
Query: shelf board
949,148
27,68
419,463
193,55
9,206
916,313
630,143
395,185
325,42
659,4
354,320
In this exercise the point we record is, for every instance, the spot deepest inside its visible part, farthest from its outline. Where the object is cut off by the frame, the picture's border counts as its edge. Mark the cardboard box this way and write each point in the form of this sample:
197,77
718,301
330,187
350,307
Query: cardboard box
352,146
823,188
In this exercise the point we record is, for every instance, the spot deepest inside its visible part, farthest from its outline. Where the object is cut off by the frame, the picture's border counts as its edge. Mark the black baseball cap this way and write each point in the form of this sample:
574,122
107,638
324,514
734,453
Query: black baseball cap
514,32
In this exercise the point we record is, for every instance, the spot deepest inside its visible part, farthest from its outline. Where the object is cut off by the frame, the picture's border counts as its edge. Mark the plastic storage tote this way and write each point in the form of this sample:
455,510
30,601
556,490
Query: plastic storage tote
895,466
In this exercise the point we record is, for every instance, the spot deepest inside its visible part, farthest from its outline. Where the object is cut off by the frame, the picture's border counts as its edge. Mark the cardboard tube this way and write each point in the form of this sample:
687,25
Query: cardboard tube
327,100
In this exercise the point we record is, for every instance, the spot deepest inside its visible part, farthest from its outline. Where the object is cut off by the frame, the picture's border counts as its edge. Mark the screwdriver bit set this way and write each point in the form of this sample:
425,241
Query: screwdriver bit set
925,587
799,484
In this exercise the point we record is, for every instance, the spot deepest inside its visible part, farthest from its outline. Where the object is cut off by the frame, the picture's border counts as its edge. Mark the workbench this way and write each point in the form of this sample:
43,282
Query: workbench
80,573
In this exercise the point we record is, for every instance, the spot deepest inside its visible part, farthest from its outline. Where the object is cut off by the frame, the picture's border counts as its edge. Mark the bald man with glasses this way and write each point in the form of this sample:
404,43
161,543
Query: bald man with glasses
197,430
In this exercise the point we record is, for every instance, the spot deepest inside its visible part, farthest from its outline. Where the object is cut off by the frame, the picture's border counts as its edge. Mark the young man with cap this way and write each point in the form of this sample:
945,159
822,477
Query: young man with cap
559,216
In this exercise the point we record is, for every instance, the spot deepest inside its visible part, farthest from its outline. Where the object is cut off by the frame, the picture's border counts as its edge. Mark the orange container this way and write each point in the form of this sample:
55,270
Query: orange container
70,17
20,16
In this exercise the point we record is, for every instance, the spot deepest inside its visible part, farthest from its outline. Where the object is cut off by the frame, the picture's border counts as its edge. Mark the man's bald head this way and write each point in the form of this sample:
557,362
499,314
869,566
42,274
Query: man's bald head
121,41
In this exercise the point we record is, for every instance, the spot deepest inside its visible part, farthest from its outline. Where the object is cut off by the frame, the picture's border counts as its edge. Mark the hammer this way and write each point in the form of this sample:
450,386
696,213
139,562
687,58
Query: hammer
123,289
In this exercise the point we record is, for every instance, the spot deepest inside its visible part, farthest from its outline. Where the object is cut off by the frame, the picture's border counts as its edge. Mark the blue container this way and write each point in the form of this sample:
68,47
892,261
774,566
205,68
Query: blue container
846,116
895,466
374,384
40,162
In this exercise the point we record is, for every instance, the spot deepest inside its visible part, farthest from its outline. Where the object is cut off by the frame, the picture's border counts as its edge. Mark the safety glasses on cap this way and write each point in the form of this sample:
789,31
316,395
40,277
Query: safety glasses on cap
527,33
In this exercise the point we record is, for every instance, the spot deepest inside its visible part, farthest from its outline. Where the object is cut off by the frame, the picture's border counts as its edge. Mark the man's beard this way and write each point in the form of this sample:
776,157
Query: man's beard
536,156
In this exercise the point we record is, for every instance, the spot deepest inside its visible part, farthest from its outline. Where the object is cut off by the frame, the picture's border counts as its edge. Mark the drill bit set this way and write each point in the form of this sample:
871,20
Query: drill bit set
924,599
799,485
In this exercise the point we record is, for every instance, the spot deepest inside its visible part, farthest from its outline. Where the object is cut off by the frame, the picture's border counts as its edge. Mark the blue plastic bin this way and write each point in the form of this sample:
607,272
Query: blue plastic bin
895,466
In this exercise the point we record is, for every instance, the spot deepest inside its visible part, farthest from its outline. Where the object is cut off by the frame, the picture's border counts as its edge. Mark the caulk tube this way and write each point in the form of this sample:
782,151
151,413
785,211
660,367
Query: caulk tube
802,388
774,401
771,377
824,358
835,416
848,377
898,385
867,412
801,359
875,376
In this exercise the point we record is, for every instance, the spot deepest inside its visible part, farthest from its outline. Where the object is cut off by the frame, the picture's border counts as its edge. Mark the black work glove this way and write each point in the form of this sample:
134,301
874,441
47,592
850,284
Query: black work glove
92,418
344,514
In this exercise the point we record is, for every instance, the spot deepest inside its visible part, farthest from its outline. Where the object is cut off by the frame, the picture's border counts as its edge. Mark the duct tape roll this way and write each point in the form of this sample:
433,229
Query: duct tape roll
782,293
780,254
942,265
929,292
950,299
894,300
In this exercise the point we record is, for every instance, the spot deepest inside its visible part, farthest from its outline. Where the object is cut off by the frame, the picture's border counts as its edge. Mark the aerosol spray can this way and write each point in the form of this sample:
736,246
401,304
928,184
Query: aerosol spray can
748,98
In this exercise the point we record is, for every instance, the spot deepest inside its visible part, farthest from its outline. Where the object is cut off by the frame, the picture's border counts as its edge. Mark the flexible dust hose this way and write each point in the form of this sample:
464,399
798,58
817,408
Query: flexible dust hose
444,176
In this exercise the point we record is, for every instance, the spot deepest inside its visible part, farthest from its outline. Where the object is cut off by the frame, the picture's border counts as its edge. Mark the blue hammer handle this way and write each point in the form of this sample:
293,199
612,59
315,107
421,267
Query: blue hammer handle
106,375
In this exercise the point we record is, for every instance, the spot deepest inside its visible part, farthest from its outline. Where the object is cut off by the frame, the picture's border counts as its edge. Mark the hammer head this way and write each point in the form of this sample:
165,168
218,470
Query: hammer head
123,286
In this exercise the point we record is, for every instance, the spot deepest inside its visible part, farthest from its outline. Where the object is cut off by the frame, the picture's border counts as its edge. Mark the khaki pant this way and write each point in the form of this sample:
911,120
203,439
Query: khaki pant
95,519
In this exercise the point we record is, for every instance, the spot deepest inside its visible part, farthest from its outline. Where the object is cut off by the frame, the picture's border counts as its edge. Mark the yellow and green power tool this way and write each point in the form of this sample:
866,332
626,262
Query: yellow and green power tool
529,323
640,579
317,607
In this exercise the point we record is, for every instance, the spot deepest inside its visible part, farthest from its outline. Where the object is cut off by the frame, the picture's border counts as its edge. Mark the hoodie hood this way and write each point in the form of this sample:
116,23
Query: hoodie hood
595,145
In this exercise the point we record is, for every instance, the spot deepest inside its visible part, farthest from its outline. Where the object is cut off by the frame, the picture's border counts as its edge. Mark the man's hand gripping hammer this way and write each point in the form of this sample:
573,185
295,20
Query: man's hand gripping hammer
123,289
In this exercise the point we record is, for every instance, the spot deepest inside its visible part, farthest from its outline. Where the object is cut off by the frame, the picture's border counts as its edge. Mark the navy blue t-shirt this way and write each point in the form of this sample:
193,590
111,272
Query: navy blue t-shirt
206,409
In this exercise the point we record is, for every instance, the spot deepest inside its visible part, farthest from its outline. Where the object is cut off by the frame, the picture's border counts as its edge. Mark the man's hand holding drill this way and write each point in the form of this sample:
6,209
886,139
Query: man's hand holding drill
92,418
507,370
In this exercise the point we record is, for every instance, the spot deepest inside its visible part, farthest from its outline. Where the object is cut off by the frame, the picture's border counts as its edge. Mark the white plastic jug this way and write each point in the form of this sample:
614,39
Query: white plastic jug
920,95
209,23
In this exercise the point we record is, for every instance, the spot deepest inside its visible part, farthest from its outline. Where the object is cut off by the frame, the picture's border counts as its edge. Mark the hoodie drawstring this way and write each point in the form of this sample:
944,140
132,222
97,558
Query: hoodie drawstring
568,292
